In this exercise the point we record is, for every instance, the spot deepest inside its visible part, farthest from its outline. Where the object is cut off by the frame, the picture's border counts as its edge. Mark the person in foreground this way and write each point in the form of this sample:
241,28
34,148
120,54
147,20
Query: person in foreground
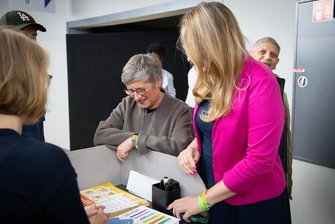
37,182
148,118
267,50
238,122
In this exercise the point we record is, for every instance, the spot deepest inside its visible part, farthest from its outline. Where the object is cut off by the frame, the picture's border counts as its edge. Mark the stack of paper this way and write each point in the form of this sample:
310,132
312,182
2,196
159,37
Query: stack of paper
115,200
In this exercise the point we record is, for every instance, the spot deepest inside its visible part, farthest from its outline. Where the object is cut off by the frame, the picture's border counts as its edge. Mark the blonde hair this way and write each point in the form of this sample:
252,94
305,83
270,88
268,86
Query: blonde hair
212,40
23,76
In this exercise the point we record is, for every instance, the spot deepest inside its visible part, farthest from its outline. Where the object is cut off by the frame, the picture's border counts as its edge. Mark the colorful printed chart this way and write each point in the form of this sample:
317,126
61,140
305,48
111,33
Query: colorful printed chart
144,215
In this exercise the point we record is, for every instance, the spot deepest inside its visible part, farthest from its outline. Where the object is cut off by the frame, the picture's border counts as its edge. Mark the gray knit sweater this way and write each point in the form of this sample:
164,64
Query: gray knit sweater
167,129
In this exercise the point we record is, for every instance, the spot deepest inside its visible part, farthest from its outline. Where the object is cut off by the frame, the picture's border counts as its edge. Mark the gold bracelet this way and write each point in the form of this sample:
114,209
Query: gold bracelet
134,139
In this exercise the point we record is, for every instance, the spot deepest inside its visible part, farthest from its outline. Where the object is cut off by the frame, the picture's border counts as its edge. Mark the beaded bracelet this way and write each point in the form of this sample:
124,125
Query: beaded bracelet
203,203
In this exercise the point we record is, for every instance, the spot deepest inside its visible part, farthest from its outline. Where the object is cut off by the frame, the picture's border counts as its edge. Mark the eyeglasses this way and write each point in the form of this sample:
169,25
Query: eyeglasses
140,91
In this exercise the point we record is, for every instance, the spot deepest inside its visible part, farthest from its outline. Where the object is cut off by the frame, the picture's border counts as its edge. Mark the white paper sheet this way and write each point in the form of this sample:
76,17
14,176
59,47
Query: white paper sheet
141,185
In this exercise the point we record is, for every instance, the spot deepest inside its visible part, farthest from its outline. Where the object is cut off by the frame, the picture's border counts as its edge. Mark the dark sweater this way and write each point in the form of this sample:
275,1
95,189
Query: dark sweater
37,183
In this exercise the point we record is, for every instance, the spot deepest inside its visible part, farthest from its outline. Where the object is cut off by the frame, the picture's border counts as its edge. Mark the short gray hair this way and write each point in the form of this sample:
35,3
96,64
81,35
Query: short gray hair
266,40
141,67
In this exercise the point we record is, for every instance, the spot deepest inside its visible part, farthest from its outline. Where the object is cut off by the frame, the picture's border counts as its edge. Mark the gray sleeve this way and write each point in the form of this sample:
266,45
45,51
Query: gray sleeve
110,131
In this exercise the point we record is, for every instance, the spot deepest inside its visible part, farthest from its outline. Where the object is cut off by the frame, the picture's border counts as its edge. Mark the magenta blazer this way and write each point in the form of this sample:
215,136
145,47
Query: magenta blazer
246,140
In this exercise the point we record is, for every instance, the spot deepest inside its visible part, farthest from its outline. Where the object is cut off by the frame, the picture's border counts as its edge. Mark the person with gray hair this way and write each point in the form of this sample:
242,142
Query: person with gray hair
266,50
148,118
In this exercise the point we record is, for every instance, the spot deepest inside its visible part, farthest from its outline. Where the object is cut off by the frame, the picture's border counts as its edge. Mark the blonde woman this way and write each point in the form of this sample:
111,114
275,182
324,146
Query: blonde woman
238,121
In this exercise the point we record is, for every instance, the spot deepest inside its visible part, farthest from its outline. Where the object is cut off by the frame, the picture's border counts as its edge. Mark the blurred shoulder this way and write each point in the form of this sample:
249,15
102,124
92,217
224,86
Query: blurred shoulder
167,74
45,153
175,102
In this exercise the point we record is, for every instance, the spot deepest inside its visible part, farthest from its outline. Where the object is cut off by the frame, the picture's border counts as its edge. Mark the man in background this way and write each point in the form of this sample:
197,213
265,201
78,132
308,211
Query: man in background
159,51
27,24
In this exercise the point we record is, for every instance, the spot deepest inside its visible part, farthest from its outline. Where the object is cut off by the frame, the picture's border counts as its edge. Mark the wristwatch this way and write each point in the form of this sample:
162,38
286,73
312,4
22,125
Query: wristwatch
134,140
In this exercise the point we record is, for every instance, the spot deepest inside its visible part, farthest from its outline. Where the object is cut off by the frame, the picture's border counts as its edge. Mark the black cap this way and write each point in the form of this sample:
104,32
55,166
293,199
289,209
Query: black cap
20,20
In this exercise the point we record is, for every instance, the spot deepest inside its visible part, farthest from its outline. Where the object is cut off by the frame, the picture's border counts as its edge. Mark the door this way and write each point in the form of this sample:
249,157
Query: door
314,89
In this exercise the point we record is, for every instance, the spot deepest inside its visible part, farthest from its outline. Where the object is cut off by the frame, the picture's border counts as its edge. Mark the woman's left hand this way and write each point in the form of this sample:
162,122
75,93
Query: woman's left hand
188,158
187,205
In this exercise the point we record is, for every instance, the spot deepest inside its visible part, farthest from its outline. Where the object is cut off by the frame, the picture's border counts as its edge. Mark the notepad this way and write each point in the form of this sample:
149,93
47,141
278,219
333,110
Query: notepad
141,185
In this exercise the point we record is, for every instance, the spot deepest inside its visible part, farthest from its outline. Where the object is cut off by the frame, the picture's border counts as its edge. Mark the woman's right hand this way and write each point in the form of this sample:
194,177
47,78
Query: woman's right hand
96,214
189,157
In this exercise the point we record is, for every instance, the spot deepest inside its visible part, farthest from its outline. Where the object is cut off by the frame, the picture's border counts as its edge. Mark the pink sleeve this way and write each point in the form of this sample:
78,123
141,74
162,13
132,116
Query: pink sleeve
265,125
